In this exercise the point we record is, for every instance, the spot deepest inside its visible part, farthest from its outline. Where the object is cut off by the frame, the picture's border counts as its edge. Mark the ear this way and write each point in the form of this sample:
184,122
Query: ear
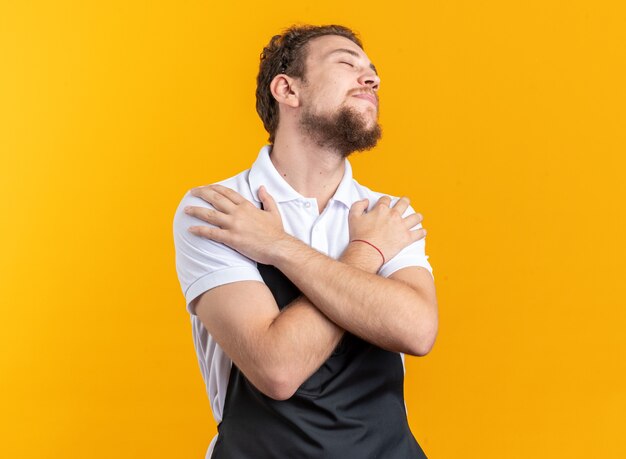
285,90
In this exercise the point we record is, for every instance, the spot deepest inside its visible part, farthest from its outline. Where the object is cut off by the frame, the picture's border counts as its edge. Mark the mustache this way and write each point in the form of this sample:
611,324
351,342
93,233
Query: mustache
363,91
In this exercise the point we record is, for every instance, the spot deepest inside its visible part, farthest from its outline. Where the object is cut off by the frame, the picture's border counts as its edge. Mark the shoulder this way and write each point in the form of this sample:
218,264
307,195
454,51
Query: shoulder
363,192
238,183
201,263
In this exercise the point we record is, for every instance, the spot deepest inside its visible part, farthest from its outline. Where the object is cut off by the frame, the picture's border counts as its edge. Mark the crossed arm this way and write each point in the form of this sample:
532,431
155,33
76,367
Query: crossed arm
278,350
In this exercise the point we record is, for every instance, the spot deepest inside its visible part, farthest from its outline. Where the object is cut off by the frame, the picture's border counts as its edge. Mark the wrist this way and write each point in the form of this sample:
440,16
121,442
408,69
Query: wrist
363,256
284,250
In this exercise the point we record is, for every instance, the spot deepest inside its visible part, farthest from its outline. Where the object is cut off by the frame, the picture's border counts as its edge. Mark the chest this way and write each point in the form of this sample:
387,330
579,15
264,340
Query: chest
327,232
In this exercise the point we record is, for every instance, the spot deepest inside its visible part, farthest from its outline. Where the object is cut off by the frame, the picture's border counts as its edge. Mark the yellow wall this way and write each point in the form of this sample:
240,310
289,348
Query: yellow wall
504,122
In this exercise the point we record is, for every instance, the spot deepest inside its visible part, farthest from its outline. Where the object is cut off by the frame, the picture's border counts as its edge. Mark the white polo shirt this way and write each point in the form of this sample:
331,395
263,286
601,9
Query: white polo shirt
203,264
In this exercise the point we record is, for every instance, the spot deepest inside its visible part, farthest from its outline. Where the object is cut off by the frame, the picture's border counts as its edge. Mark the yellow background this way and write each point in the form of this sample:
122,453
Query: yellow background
504,122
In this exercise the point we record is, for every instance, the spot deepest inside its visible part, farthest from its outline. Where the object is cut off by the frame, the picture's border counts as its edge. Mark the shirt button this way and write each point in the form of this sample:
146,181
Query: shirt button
307,204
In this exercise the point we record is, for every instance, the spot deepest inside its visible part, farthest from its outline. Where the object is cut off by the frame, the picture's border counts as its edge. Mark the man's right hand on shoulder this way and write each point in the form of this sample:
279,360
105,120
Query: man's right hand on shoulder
383,226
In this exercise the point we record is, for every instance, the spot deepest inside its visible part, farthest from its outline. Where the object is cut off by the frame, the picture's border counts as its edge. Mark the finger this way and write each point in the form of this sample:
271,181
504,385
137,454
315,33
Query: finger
205,214
401,205
229,193
418,234
214,197
268,202
359,207
384,201
210,232
413,220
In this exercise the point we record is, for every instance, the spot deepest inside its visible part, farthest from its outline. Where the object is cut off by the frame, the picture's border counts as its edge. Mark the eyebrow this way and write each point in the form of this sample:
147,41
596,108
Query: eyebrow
352,53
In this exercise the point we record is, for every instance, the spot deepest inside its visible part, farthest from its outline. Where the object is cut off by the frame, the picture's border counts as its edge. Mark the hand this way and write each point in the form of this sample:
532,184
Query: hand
383,226
241,225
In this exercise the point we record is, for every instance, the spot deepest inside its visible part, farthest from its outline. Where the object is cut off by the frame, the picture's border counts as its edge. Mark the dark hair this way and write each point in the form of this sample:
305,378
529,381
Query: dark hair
286,54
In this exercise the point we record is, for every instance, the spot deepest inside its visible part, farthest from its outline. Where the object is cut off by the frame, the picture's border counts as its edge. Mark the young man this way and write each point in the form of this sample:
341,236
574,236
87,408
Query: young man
306,289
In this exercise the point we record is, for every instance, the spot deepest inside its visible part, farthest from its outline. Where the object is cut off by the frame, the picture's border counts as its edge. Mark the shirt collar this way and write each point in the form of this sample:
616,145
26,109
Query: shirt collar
263,172
346,191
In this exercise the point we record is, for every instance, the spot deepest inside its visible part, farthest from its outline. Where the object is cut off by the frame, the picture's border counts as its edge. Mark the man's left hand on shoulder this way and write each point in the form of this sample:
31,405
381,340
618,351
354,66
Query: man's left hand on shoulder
238,223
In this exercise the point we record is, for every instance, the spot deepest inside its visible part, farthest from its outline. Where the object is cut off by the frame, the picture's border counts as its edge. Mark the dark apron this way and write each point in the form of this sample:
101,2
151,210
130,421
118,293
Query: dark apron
351,407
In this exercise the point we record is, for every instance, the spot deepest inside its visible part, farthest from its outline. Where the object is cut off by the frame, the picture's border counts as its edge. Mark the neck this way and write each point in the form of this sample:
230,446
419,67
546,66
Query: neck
312,171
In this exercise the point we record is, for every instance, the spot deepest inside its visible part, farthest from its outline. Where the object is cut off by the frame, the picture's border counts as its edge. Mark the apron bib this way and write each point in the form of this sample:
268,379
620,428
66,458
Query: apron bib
351,407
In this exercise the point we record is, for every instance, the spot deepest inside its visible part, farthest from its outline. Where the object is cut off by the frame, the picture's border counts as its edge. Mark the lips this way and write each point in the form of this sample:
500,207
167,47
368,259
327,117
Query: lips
370,97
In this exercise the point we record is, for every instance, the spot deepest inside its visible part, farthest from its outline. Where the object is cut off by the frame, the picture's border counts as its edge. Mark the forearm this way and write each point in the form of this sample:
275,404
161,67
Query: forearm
302,338
385,312
299,340
344,294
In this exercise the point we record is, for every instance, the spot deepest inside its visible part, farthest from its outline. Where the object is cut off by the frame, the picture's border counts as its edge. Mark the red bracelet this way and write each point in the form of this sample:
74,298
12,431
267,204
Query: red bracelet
379,251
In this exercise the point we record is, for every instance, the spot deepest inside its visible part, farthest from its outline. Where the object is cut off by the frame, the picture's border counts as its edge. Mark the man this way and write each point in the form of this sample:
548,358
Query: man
306,289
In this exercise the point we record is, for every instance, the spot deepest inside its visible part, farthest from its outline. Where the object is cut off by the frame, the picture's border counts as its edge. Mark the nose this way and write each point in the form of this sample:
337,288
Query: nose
370,78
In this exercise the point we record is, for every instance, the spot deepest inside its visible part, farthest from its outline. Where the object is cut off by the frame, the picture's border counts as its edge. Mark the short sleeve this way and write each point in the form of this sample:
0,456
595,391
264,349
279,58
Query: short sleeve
202,264
412,255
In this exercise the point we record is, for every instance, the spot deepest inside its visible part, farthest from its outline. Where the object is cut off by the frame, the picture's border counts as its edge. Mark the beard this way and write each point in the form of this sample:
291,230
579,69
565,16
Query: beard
344,131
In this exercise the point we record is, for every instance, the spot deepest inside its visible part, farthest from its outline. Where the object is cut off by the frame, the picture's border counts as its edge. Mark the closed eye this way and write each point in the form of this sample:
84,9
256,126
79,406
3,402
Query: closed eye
347,63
